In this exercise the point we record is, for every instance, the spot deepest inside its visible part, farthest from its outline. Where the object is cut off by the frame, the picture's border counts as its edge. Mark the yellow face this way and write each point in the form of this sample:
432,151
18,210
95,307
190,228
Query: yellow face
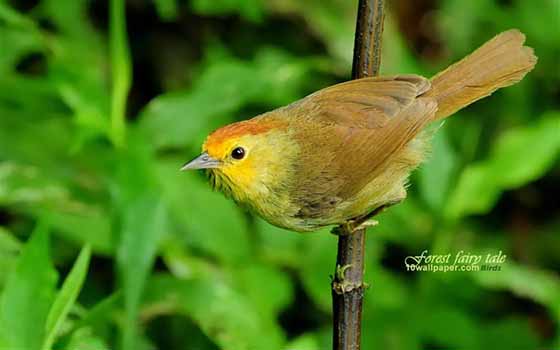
251,163
238,157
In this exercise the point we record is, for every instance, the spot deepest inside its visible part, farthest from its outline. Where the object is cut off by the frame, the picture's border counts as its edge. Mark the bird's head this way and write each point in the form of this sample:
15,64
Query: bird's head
245,159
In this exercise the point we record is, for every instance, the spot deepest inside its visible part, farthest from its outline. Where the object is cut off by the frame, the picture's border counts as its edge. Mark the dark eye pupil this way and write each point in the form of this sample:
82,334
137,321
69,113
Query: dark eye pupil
238,153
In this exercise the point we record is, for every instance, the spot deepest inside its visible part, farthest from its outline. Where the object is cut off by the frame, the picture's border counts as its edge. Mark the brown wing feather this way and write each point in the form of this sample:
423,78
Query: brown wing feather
348,132
364,103
372,149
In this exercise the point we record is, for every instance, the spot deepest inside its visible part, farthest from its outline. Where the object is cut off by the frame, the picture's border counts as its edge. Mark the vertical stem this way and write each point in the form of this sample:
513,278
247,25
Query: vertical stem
120,70
347,286
348,291
367,41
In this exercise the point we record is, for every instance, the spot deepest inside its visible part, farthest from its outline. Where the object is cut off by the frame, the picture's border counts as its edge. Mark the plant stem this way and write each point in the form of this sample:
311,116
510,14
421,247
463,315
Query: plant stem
347,286
367,41
120,71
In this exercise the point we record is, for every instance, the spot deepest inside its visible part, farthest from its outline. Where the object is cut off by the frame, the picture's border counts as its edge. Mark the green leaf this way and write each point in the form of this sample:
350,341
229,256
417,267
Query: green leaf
460,32
167,9
225,84
388,291
67,296
209,221
28,295
385,329
279,246
459,24
333,21
15,44
12,17
100,320
498,335
91,225
535,284
519,156
406,224
181,118
25,135
34,191
226,316
524,154
100,314
8,243
9,250
436,175
476,192
317,264
25,185
181,263
70,18
304,342
268,288
283,75
77,68
84,339
144,225
250,9
461,330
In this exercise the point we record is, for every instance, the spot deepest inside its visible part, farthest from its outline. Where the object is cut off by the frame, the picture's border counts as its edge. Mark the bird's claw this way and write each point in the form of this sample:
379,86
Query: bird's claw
352,226
368,223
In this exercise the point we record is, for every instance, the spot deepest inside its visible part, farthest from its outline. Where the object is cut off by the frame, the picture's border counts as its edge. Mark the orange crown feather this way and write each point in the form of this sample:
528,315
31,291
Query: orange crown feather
215,141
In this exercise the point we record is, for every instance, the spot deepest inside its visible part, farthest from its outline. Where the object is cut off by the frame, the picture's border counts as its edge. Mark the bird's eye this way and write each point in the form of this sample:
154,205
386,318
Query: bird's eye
238,153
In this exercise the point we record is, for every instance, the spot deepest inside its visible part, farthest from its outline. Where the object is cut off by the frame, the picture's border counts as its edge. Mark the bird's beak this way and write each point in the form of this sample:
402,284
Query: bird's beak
203,161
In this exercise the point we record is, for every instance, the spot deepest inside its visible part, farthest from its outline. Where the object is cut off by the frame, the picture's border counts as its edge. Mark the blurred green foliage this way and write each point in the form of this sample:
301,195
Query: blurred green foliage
97,116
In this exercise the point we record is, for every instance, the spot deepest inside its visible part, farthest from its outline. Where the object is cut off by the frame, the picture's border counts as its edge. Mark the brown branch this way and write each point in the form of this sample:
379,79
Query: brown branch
367,41
347,285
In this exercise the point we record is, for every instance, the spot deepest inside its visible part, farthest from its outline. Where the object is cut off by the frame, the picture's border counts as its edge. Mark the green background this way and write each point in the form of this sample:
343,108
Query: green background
104,244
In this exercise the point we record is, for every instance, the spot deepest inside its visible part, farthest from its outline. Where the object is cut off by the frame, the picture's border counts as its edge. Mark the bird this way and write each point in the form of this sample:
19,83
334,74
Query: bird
344,152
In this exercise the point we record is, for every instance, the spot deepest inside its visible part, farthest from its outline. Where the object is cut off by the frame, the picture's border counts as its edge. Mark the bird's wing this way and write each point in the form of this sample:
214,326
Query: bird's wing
367,103
351,130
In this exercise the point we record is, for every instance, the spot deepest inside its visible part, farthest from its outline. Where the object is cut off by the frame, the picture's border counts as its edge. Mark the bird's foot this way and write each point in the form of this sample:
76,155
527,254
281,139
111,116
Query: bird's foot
343,229
365,224
352,226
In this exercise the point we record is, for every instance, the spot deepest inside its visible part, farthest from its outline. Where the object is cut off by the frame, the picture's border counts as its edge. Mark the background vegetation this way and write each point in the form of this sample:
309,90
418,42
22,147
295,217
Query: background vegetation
105,245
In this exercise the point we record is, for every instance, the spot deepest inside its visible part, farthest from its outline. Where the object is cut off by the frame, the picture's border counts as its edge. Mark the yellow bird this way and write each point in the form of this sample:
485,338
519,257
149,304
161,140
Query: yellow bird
347,150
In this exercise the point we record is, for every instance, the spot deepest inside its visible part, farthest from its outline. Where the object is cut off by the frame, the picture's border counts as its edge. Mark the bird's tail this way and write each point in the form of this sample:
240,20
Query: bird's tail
500,62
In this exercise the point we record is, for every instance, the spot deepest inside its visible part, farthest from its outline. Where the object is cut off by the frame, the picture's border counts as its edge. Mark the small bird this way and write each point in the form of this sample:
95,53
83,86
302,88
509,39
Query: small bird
344,152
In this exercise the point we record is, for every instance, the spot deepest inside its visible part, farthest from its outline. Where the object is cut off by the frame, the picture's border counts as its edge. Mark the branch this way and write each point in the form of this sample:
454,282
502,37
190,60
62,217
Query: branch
367,40
347,285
